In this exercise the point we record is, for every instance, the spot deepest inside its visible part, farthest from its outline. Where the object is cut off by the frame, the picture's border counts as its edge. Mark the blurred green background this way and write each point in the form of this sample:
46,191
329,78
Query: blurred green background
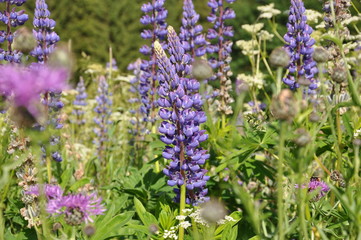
94,25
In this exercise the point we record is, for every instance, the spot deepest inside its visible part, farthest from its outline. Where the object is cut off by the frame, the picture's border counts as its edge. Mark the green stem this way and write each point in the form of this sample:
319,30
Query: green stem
283,129
356,161
279,80
181,208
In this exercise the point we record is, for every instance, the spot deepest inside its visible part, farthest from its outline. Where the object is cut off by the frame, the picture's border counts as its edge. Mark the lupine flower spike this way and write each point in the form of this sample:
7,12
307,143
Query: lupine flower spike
43,32
80,102
181,109
302,67
11,18
103,111
221,48
155,15
191,36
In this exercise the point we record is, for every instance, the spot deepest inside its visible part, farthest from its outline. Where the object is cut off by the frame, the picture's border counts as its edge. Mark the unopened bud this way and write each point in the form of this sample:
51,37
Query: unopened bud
61,58
357,142
303,137
213,211
56,226
320,55
89,230
201,69
339,75
284,106
279,57
24,40
153,229
314,117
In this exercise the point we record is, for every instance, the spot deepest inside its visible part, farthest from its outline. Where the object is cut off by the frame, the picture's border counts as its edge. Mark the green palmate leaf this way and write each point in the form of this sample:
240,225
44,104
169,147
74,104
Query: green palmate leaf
66,176
139,228
112,226
230,233
146,217
221,229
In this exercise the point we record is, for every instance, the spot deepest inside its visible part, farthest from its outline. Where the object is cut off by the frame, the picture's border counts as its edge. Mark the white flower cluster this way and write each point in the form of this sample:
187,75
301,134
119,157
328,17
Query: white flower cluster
248,47
252,81
253,28
170,234
357,134
196,215
350,20
268,11
226,220
313,16
265,35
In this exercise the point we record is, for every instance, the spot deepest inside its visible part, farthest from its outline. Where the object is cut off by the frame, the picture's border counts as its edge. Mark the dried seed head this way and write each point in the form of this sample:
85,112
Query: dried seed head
201,69
61,58
320,55
213,211
279,57
56,226
314,117
339,75
284,106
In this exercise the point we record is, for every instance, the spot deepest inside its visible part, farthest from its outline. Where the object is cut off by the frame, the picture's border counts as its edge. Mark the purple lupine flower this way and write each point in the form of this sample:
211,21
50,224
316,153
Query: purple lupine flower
11,18
103,111
50,191
77,208
43,32
80,102
191,36
26,84
113,65
221,49
181,109
154,15
299,45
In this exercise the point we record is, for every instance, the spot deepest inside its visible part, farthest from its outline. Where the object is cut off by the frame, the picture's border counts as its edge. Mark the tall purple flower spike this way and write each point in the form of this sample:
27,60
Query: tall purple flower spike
43,32
299,45
103,111
181,110
191,36
11,19
221,49
80,102
154,15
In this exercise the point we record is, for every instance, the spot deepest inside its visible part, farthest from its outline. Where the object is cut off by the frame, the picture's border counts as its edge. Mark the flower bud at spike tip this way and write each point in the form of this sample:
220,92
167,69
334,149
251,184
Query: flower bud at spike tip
303,137
279,57
339,75
320,55
201,70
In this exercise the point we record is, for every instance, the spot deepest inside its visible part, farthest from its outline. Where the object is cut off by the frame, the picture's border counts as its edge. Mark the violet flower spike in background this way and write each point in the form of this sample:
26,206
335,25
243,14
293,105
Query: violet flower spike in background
299,45
77,208
191,36
11,18
154,15
43,32
181,109
80,102
103,112
220,49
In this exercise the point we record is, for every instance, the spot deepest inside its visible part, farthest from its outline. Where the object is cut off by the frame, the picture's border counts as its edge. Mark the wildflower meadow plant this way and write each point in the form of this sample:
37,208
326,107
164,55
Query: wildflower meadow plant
166,153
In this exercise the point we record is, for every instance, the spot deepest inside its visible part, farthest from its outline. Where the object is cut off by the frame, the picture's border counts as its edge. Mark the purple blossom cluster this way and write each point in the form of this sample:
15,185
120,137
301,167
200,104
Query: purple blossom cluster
181,110
300,47
43,32
80,102
103,111
154,15
76,208
221,49
191,36
316,185
26,84
11,18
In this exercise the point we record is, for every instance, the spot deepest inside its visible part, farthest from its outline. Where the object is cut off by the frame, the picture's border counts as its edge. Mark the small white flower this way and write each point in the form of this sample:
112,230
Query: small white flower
185,224
357,133
252,81
265,35
268,11
187,210
352,19
253,28
312,15
248,47
181,217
